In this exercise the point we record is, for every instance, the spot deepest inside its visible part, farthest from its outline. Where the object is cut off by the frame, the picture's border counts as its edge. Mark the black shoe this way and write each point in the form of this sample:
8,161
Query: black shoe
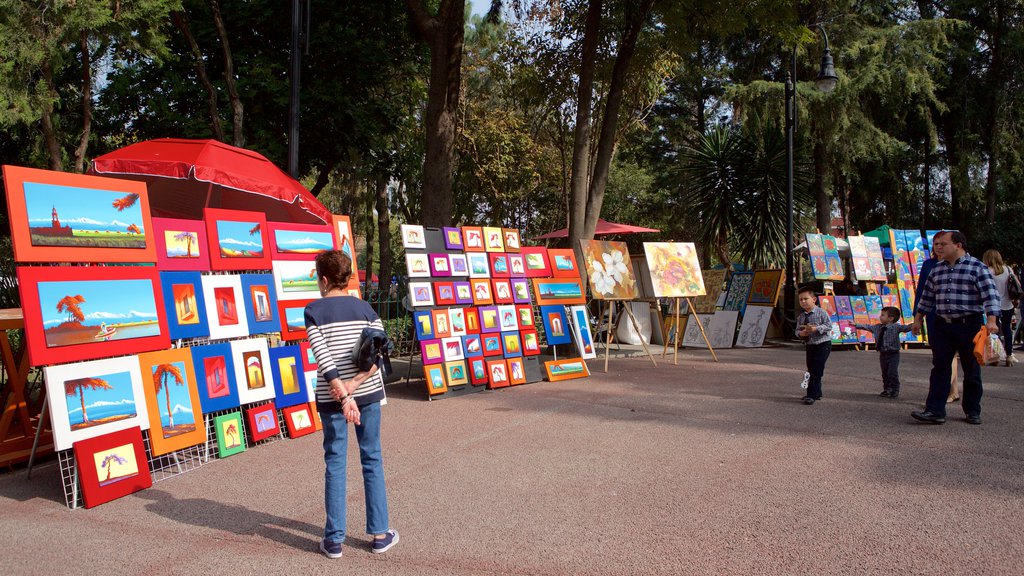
808,400
885,394
976,420
928,417
894,395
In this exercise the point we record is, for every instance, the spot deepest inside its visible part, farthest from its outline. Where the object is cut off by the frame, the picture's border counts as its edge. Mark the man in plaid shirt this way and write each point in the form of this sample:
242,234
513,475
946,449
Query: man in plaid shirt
961,291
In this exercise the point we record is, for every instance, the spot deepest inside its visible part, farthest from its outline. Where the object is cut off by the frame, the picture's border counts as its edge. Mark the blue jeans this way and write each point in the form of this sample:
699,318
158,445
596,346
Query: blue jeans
947,339
335,453
817,355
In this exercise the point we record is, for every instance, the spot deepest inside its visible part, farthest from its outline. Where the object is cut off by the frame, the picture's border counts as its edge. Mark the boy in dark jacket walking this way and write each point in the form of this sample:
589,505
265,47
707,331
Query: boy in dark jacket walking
887,342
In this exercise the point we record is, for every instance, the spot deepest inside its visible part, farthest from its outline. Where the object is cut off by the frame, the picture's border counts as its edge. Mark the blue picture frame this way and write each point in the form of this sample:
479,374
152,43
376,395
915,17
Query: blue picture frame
424,323
186,316
261,303
215,369
291,354
473,346
515,351
556,326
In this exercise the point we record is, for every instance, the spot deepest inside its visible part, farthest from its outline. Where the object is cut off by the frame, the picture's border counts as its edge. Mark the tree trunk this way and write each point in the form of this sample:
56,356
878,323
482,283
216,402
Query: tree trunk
384,231
579,182
368,201
822,201
323,179
926,220
83,142
995,89
50,139
238,138
180,20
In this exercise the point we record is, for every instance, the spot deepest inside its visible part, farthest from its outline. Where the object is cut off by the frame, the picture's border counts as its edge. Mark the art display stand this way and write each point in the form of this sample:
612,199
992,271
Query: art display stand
23,433
636,326
677,336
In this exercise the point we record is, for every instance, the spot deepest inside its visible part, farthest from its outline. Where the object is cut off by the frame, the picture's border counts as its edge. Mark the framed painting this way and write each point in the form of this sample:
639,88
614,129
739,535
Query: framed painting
112,466
520,290
525,316
481,291
581,331
738,291
294,280
511,238
62,217
290,241
472,320
434,376
714,281
260,301
343,240
414,237
456,373
558,291
215,377
457,321
430,352
502,291
531,342
452,349
181,244
452,238
723,328
508,319
516,266
253,371
477,371
262,421
499,265
424,323
230,434
692,334
563,263
491,344
298,420
493,240
308,358
421,294
479,265
82,313
172,400
765,287
417,265
510,345
89,399
566,369
556,327
184,304
288,372
317,424
444,293
489,321
675,269
238,239
754,327
516,371
536,261
442,329
609,271
463,292
439,265
473,346
225,306
293,318
458,265
497,373
473,238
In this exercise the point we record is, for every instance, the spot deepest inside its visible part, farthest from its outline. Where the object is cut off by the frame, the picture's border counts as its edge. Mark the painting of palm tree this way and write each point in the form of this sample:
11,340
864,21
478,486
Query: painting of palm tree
79,385
164,377
70,304
229,436
125,202
232,433
124,466
188,238
98,397
133,229
82,217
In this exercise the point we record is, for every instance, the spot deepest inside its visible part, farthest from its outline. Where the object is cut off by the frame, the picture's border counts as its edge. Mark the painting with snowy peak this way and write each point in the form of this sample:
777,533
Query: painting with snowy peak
83,217
302,242
177,414
240,239
99,399
89,311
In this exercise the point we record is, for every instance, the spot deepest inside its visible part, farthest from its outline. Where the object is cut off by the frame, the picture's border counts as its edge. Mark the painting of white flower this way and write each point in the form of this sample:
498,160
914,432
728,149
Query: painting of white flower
609,270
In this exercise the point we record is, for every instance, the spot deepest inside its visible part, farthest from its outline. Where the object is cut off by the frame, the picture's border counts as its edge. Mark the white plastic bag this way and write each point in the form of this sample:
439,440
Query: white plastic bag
994,352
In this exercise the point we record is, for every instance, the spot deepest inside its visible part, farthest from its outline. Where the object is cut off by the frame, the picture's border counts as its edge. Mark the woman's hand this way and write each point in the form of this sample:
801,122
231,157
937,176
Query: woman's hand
350,411
337,389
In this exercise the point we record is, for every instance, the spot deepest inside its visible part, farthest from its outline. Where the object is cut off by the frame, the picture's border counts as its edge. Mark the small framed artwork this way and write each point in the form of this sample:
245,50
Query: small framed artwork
499,265
308,358
473,346
215,377
516,371
442,328
516,265
238,239
172,400
558,291
520,290
62,217
563,263
260,300
185,305
556,327
463,292
296,280
89,399
581,331
112,466
421,294
481,291
299,241
82,313
439,265
317,424
508,319
181,244
457,321
502,291
230,434
511,237
472,320
293,318
493,241
424,322
225,306
537,263
489,321
262,421
531,342
452,238
456,373
289,375
343,240
430,351
253,371
479,265
477,371
298,420
473,239
525,316
417,265
452,349
458,265
497,371
413,237
444,293
566,369
510,345
434,375
491,344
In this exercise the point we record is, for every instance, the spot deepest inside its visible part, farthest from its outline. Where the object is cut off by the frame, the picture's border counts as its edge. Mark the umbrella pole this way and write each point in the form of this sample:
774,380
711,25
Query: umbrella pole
209,193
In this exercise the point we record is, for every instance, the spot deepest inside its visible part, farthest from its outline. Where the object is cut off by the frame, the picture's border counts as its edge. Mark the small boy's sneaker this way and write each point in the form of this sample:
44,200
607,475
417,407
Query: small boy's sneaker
807,380
331,549
808,400
886,394
381,545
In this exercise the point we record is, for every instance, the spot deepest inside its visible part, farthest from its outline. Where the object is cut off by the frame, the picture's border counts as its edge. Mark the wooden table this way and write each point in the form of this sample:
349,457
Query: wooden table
20,417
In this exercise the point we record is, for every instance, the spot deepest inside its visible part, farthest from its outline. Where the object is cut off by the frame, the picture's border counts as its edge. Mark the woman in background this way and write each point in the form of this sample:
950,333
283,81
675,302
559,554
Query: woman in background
1001,274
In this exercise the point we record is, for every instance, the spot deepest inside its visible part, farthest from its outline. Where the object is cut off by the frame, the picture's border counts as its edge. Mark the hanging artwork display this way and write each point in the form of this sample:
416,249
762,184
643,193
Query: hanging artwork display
287,370
184,304
738,292
253,372
296,280
262,421
112,466
230,434
569,369
581,333
290,241
343,240
765,287
413,237
238,239
260,301
172,400
181,244
608,270
675,269
299,420
215,377
556,327
225,307
293,318
714,283
754,327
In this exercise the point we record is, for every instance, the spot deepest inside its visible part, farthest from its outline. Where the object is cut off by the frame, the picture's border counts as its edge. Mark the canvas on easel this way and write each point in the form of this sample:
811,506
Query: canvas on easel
675,273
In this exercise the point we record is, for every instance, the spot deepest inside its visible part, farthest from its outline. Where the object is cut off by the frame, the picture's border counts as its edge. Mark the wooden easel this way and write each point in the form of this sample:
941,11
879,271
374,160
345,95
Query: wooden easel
21,431
636,326
677,337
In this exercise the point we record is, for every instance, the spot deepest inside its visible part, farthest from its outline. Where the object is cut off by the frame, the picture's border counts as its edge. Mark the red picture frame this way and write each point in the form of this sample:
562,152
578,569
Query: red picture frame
308,359
262,421
175,226
497,374
524,315
298,420
502,291
530,342
344,240
536,260
120,453
498,262
478,373
472,320
45,183
92,345
567,256
322,235
215,217
297,308
444,293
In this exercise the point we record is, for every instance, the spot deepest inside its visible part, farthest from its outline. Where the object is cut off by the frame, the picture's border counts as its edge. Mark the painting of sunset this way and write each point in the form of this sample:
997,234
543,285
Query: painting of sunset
87,311
302,242
99,399
239,239
177,414
83,217
116,464
185,303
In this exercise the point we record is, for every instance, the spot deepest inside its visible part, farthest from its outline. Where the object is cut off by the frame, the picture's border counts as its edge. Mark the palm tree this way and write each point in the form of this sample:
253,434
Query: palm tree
109,462
187,238
232,432
134,229
254,230
160,376
70,304
78,386
125,202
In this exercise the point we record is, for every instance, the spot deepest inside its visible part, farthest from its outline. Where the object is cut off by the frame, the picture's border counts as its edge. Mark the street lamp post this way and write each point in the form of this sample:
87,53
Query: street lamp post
826,82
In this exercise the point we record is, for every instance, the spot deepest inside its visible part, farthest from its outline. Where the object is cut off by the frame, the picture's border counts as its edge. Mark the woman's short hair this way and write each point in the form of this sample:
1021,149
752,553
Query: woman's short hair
334,266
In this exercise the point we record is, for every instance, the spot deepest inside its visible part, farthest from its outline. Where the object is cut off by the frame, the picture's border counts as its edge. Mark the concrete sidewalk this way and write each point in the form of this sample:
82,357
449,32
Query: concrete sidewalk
700,468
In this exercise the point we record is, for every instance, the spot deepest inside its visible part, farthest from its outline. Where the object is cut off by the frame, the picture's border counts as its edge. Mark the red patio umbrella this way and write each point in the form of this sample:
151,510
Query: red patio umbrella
184,176
603,227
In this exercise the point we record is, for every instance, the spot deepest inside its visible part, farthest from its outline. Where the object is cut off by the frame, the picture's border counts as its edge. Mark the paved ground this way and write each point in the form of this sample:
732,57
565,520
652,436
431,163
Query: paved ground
699,468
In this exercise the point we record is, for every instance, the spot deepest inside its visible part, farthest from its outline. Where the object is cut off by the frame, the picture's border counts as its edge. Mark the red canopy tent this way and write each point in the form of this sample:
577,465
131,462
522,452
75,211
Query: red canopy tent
603,228
185,176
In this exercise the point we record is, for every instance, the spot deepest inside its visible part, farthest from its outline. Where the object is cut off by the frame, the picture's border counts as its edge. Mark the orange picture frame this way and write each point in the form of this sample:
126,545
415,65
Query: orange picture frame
170,370
344,240
549,291
568,369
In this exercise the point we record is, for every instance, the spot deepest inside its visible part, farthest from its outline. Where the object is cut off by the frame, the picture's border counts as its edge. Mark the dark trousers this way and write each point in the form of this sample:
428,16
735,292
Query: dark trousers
947,339
1006,328
817,355
890,362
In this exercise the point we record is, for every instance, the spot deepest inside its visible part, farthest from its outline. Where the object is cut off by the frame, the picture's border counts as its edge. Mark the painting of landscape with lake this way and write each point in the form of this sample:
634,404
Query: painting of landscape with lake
84,312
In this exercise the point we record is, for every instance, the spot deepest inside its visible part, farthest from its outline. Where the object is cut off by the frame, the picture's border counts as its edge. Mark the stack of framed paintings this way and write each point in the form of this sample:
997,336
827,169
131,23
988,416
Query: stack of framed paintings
824,254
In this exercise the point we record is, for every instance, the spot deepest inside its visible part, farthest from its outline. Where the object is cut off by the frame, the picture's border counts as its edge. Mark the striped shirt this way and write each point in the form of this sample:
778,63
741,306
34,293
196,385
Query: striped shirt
959,290
818,317
887,336
333,326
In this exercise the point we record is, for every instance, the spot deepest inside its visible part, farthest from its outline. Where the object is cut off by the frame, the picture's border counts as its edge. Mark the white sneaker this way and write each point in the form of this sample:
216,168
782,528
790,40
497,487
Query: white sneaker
807,380
1011,360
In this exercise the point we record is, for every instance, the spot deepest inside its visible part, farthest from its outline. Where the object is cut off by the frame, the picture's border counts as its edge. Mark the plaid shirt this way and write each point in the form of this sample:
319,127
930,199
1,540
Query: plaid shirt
818,317
887,336
960,290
